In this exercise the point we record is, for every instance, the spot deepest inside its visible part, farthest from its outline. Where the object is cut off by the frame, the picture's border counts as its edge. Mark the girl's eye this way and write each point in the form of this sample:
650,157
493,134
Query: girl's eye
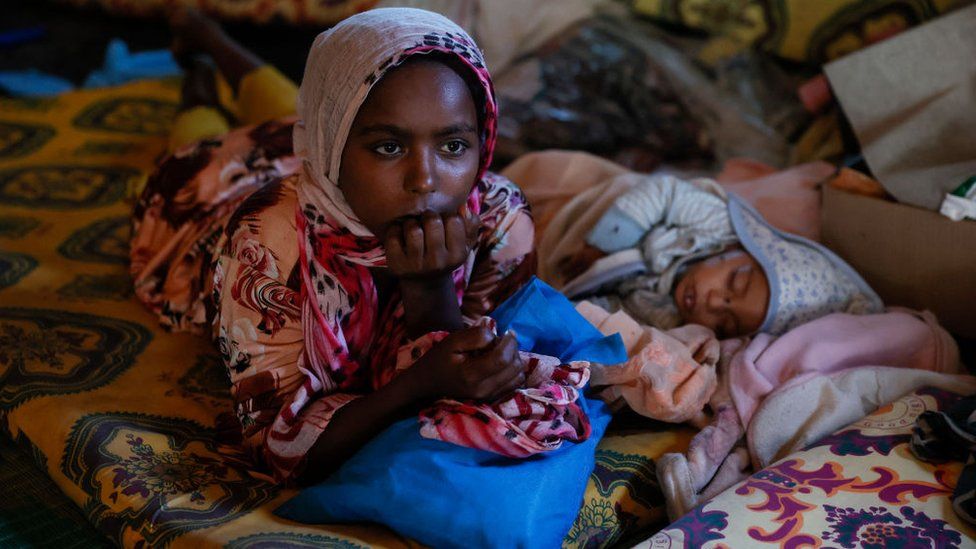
455,147
388,149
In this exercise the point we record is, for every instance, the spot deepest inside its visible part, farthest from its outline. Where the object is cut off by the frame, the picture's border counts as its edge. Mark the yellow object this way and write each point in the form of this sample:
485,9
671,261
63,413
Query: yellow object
196,124
265,94
801,30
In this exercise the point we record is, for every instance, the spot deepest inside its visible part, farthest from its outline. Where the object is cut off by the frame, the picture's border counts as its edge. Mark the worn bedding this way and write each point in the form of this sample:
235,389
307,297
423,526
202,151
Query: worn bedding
296,12
860,487
132,424
799,30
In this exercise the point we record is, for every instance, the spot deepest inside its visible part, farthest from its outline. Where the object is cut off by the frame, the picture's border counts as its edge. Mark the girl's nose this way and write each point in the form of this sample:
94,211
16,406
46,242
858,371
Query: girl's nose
421,176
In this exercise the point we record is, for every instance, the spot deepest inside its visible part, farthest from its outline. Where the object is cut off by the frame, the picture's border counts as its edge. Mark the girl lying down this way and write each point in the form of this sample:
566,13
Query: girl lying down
343,261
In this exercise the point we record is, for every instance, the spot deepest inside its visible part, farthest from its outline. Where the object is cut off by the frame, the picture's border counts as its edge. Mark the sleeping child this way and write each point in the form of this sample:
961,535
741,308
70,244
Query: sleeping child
710,264
707,258
708,268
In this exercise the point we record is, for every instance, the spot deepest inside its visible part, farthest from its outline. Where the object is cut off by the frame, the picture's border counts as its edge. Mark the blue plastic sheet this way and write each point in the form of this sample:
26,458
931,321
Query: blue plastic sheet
444,495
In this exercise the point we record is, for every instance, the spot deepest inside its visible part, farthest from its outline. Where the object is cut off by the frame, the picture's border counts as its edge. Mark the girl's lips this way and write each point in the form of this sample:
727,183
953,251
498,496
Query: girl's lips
418,212
416,215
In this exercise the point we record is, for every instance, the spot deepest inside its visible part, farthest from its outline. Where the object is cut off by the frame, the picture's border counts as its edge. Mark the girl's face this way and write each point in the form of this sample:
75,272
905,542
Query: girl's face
413,146
728,293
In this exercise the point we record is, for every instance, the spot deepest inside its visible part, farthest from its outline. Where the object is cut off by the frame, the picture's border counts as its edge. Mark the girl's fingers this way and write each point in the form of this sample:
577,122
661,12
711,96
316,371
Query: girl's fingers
434,246
476,338
472,224
455,238
507,351
413,242
393,244
501,384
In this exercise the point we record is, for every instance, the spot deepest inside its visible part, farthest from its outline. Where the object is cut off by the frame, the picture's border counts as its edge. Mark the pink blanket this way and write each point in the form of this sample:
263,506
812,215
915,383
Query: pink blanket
752,373
898,338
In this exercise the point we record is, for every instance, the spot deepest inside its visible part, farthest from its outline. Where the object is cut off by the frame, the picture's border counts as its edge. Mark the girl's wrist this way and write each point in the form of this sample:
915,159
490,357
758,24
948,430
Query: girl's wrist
430,304
413,384
426,284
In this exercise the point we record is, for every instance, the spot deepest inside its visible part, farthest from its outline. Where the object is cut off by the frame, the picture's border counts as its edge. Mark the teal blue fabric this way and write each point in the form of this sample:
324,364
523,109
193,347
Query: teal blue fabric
444,495
33,83
123,66
615,231
120,66
545,322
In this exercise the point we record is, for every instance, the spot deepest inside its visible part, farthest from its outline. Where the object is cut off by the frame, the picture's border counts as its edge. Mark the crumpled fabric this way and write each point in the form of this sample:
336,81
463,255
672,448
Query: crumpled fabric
670,376
899,338
951,435
762,379
534,419
825,403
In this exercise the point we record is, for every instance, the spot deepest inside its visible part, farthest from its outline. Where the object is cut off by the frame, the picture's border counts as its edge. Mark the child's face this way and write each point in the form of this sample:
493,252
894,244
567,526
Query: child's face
413,146
728,293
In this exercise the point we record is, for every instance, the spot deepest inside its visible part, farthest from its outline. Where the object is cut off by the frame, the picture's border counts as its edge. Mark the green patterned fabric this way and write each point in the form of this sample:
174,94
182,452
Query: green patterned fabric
813,31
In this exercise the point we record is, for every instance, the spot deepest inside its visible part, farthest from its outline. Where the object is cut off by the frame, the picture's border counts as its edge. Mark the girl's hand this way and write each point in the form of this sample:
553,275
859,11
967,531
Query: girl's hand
431,246
472,363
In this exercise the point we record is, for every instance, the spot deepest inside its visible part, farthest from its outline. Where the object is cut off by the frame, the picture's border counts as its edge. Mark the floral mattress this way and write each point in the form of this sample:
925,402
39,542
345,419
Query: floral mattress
860,487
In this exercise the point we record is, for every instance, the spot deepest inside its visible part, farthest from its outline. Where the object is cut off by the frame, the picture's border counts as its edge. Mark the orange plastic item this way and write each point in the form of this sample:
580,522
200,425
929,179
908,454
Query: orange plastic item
856,182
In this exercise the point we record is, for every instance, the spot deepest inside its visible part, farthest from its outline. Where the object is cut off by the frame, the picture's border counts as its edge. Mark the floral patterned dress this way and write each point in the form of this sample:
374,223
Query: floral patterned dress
216,248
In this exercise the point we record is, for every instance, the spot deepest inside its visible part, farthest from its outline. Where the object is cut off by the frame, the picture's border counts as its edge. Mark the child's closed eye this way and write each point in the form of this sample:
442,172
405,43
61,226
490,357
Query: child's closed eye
739,279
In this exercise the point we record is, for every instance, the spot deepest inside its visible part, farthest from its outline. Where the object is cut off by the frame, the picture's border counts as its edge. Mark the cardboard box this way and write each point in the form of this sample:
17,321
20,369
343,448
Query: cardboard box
910,256
911,101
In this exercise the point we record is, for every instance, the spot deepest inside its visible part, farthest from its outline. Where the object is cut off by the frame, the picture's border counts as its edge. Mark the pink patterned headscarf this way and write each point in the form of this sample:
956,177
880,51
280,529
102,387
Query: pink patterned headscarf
339,301
345,62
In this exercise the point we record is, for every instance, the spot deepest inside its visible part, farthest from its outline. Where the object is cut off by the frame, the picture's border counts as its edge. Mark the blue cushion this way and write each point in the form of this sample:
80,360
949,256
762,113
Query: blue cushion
445,495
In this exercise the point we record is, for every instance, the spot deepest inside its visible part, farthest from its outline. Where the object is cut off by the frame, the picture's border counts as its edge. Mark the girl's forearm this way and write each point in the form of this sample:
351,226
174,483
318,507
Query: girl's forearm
430,304
358,422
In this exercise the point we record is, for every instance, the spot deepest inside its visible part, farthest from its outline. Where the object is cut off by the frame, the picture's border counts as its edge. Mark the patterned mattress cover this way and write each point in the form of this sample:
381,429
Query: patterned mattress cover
859,487
294,12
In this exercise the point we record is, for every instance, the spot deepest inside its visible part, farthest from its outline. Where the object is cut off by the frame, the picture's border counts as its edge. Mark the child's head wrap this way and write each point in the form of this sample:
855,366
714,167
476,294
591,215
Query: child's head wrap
806,280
